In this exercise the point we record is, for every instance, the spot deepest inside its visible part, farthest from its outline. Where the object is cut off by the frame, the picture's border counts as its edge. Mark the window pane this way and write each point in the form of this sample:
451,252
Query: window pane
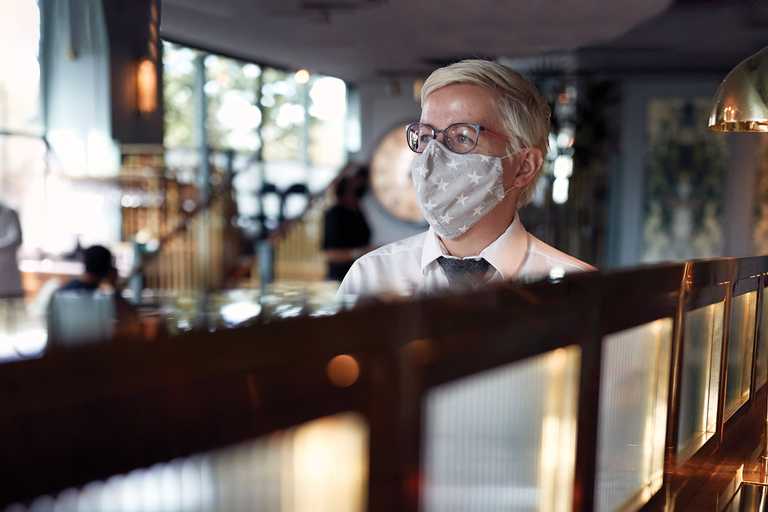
178,90
23,186
282,105
504,439
321,466
700,378
633,415
740,347
20,71
761,372
327,117
233,116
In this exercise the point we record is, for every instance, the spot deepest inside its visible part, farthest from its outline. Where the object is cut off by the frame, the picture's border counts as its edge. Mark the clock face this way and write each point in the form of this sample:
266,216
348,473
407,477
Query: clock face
390,177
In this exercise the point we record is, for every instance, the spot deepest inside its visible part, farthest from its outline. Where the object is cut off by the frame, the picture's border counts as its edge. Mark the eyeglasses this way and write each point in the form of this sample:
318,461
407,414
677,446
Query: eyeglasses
459,137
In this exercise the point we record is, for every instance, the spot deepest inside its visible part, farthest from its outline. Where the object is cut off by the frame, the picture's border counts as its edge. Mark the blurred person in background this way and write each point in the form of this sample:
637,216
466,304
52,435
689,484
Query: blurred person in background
479,148
10,241
100,274
346,234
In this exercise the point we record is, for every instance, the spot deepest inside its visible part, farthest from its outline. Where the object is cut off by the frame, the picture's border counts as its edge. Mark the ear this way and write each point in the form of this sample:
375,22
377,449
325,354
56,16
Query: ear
530,163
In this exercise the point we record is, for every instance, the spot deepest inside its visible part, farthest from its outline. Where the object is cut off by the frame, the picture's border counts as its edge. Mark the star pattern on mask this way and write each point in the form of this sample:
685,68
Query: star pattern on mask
442,185
474,178
485,158
422,171
477,211
453,164
462,199
446,218
429,204
463,229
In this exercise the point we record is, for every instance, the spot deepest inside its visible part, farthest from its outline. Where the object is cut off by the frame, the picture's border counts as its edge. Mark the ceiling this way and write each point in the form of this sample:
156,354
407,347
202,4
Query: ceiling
363,39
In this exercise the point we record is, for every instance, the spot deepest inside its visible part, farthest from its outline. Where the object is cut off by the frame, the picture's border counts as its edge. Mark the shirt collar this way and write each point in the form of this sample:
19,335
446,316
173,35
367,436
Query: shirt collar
506,254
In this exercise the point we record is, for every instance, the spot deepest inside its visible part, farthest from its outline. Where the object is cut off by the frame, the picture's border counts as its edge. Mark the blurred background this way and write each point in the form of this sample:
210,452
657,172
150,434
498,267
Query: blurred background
202,141
206,143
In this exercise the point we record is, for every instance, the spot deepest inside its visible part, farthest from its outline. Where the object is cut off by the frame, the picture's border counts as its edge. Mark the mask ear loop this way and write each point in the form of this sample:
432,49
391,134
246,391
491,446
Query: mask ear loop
507,156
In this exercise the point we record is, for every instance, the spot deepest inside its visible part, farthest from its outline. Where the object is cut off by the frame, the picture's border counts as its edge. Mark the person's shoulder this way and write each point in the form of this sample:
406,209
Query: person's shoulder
387,268
553,257
407,246
76,285
72,285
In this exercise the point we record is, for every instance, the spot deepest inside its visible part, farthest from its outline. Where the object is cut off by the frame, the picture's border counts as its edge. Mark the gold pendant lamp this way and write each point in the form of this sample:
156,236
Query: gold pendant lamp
741,101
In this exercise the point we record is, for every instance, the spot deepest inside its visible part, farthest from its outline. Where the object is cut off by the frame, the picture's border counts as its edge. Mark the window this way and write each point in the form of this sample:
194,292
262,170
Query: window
282,102
231,88
327,113
22,150
20,72
179,95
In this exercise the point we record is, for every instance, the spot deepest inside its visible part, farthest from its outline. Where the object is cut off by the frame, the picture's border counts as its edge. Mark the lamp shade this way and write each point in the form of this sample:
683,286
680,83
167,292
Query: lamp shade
146,86
741,101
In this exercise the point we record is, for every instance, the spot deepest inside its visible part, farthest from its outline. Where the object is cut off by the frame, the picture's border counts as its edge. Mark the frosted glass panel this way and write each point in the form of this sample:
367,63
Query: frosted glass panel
633,414
504,439
740,348
320,466
761,371
700,378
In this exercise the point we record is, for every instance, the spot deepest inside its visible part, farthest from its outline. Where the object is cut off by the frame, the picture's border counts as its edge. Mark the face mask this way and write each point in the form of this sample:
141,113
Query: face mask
455,191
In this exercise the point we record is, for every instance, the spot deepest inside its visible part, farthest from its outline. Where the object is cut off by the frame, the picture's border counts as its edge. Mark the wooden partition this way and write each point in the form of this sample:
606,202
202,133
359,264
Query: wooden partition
639,389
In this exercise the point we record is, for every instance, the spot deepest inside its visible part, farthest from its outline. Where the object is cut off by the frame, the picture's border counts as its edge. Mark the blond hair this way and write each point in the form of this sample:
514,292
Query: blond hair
523,110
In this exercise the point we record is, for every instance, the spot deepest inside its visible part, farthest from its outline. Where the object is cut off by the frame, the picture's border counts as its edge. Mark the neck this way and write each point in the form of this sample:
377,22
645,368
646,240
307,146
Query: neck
482,234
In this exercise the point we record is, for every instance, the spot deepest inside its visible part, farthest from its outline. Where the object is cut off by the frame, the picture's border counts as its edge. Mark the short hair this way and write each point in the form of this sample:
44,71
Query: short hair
524,112
98,260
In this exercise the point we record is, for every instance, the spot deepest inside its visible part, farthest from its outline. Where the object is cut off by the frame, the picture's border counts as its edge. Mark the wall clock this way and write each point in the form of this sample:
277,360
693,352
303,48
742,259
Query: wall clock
390,177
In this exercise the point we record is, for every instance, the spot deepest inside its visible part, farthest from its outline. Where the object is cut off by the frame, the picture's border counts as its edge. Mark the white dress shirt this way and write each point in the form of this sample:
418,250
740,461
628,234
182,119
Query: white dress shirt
410,266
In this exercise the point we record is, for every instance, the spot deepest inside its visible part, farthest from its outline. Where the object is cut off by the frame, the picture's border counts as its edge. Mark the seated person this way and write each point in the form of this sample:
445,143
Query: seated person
101,274
99,269
346,233
479,148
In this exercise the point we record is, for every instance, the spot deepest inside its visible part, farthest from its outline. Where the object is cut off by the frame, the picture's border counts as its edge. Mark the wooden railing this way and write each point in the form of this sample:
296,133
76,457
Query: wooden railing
640,389
198,254
299,256
183,249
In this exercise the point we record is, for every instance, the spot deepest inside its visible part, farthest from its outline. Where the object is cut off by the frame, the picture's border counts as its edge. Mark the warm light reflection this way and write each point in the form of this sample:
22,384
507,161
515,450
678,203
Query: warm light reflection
503,439
343,371
319,466
633,409
700,378
740,351
330,466
557,458
146,86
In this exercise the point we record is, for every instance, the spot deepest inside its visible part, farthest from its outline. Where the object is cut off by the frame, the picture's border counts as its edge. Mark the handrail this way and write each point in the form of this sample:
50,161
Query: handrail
272,238
175,231
405,350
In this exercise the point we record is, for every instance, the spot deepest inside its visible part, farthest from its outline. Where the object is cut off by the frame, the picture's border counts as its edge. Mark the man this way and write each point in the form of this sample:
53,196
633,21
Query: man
480,145
99,269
